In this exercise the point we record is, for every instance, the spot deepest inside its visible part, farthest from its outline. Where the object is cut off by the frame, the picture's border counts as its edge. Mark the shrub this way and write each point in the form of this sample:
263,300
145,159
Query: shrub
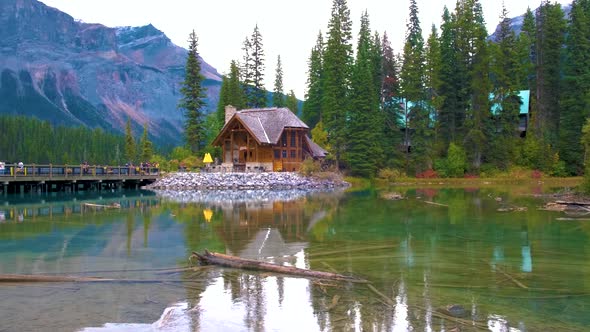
309,167
536,174
516,173
428,174
489,171
192,162
585,186
391,174
180,153
456,161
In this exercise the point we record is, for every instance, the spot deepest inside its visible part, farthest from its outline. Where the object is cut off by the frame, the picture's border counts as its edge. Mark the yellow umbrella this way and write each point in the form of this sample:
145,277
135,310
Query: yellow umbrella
207,158
207,213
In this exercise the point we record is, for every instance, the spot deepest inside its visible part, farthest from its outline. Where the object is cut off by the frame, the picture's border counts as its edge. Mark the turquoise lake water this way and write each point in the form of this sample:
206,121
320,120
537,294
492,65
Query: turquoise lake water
463,263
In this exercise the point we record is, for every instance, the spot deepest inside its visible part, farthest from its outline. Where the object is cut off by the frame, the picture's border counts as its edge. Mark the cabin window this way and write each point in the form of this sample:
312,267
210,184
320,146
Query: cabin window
284,139
293,139
293,154
277,154
284,154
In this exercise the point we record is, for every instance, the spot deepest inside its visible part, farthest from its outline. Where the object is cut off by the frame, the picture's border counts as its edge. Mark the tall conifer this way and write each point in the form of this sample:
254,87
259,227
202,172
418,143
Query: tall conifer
278,97
292,103
551,25
390,105
417,118
193,94
505,71
257,98
147,149
363,153
130,146
312,108
337,68
575,99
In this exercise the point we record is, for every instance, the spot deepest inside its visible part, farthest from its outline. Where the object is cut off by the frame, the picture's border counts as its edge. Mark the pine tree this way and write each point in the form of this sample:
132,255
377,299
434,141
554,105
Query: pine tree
417,117
292,102
312,108
432,72
278,97
223,96
452,109
337,69
479,86
550,37
130,149
390,105
147,149
245,73
363,153
505,72
526,50
231,93
235,93
193,95
255,92
575,99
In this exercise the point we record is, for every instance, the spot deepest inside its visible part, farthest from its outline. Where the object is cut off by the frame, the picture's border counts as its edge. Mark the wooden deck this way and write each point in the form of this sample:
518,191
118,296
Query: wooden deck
60,176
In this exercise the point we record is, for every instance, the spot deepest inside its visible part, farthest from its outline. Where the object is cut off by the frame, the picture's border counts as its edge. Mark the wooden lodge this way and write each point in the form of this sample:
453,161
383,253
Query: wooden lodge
265,139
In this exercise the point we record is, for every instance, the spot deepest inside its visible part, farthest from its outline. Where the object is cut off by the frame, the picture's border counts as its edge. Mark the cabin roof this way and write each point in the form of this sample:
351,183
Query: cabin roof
525,98
265,124
315,149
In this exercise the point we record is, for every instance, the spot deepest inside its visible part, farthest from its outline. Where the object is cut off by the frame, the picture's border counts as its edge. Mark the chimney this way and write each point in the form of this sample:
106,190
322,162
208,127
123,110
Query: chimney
229,112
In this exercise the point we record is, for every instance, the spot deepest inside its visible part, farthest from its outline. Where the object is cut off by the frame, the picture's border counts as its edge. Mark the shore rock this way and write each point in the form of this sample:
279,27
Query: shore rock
243,181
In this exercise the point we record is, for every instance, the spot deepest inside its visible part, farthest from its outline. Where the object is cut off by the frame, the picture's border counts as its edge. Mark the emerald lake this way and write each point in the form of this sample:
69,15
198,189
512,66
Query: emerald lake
440,259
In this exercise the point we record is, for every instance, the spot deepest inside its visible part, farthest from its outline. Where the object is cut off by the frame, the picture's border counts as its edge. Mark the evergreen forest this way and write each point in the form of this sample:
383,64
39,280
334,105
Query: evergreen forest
446,105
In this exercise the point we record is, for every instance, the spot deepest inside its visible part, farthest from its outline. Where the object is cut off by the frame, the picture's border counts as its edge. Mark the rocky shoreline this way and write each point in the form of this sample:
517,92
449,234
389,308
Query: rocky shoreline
243,181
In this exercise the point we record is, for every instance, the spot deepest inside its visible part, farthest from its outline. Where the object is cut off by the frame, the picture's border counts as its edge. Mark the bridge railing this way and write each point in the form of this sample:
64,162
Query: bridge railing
76,171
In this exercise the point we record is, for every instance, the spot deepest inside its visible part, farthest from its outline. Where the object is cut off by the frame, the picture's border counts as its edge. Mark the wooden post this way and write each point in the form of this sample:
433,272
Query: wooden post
231,147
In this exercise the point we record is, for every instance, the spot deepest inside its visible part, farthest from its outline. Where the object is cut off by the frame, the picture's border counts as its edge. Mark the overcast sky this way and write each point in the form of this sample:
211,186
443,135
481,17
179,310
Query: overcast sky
289,28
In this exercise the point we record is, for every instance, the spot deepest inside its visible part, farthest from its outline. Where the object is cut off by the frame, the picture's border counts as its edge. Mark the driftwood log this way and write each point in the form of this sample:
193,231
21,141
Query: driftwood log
213,258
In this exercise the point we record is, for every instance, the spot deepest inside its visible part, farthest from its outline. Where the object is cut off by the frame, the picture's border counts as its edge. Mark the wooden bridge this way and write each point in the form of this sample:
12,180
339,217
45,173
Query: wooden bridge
48,178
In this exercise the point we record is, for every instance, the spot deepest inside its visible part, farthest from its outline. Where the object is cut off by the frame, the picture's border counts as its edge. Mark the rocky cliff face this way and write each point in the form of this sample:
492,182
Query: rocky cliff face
68,72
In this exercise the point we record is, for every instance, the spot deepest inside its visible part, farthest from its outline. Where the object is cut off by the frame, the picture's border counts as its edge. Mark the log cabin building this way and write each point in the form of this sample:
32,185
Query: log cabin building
265,139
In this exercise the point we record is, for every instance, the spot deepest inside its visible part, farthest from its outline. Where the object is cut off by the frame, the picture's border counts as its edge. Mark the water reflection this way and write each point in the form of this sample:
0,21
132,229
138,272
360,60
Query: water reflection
457,266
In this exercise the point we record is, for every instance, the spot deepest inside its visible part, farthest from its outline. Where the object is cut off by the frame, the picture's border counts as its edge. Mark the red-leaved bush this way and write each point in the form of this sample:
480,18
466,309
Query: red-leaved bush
428,174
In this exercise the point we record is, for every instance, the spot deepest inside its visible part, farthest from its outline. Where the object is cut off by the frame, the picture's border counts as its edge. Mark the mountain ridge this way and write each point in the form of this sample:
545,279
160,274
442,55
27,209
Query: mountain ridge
69,72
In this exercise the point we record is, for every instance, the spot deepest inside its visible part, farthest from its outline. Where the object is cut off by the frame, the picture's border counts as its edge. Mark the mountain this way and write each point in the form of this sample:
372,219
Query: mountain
68,72
516,22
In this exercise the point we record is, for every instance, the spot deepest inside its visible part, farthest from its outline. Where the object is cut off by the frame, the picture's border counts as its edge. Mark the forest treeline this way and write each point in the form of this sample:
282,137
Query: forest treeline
449,104
31,140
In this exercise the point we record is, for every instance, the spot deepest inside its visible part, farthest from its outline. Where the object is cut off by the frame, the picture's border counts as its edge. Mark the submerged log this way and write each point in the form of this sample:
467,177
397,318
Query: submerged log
47,278
577,203
110,206
213,258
